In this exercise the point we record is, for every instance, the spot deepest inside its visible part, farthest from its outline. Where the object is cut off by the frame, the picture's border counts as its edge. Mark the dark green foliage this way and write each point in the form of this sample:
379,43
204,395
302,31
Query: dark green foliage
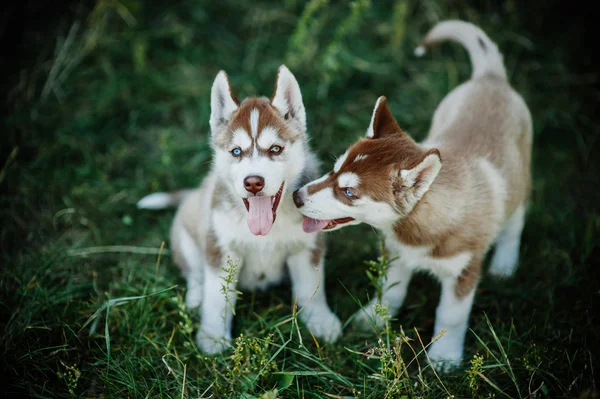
117,106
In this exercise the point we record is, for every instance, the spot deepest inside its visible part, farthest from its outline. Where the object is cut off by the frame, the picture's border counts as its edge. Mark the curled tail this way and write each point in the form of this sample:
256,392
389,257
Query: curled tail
484,54
162,200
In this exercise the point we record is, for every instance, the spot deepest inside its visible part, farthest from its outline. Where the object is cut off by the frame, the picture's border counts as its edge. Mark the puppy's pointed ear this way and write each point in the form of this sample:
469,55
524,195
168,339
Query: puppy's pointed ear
287,99
418,178
223,103
383,123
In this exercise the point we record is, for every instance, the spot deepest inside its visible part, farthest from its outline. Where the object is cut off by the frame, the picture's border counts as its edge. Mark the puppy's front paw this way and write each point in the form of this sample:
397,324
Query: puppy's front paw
324,324
212,344
366,318
444,358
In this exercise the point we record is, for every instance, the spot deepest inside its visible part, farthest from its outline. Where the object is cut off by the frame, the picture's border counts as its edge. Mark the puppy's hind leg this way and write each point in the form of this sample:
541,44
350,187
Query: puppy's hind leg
506,255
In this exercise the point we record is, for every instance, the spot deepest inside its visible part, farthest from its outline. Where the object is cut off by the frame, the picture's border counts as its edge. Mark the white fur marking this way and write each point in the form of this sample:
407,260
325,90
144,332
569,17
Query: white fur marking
241,139
324,205
268,137
370,132
254,122
340,161
348,180
361,157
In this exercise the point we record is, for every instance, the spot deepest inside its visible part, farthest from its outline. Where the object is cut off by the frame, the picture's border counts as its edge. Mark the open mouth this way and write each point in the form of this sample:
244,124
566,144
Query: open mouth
310,225
262,212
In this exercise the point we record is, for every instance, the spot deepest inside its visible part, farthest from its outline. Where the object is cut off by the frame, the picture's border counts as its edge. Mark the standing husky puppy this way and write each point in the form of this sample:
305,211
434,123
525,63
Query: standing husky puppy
243,212
441,219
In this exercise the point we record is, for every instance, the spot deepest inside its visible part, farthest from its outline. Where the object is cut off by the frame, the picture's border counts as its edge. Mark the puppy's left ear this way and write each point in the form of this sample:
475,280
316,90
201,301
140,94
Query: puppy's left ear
223,103
382,123
287,99
418,179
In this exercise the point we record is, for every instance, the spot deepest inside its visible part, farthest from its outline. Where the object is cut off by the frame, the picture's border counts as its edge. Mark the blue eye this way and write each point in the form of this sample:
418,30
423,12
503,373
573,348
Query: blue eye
236,152
349,194
276,149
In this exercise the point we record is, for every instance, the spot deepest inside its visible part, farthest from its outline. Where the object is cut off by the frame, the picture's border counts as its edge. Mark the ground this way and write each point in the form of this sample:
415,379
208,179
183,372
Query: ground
110,101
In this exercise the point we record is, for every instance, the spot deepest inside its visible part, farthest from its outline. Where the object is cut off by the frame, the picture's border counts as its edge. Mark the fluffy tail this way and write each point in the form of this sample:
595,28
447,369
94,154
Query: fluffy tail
485,57
162,200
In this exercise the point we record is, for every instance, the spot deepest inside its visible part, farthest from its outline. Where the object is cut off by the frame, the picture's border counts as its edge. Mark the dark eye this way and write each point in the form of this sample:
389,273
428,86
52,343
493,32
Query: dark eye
276,149
349,194
236,152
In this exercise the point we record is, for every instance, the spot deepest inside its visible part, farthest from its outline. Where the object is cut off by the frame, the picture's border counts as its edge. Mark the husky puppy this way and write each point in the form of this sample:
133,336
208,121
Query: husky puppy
438,216
243,213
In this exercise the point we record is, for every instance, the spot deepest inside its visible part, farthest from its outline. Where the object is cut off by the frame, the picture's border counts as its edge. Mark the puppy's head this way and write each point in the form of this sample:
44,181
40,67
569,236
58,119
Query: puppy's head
377,181
259,145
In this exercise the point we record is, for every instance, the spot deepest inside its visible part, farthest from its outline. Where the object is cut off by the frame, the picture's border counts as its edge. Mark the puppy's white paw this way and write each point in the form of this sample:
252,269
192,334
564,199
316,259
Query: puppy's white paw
504,262
444,358
323,324
366,317
212,344
193,298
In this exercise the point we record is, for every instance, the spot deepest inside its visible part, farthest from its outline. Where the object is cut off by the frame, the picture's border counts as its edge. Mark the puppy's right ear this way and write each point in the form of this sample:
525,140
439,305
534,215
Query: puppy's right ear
382,123
287,99
223,102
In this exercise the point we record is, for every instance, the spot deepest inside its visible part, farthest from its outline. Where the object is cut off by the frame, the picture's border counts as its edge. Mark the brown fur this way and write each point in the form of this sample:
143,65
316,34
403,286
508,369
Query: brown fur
214,256
388,151
467,281
314,188
454,215
317,251
268,116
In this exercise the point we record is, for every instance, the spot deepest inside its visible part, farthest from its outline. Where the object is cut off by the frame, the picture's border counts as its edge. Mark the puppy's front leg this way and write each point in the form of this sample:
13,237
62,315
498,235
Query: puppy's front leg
394,291
452,314
307,274
395,286
216,311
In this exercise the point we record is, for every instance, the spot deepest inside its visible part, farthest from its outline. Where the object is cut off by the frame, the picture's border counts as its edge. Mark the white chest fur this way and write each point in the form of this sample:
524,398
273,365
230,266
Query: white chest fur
262,258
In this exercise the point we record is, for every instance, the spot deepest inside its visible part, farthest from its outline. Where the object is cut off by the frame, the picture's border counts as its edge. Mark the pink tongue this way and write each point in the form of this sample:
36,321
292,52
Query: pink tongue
260,215
310,225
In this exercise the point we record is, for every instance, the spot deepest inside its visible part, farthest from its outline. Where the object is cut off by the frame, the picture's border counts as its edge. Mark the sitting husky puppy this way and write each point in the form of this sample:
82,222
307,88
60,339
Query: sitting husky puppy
243,212
441,219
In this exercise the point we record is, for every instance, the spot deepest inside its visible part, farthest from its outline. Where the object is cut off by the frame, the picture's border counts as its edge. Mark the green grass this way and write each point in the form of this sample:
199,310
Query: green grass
117,106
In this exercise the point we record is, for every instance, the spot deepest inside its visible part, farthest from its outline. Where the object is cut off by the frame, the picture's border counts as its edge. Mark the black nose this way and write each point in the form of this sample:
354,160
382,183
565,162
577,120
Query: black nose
254,184
297,199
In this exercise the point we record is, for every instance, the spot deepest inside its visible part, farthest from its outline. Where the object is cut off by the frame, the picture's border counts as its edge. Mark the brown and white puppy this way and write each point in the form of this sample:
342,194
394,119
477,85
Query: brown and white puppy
243,212
442,203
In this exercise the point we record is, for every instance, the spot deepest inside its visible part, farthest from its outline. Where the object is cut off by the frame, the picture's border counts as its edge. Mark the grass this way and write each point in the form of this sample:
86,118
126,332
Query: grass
114,104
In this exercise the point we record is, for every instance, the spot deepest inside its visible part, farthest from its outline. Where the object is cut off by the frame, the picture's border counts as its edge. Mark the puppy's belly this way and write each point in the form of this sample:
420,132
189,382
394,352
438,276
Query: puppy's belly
262,268
418,258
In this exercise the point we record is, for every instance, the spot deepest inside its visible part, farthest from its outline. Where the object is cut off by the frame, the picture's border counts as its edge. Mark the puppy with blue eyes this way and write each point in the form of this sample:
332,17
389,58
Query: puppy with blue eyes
243,212
442,203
